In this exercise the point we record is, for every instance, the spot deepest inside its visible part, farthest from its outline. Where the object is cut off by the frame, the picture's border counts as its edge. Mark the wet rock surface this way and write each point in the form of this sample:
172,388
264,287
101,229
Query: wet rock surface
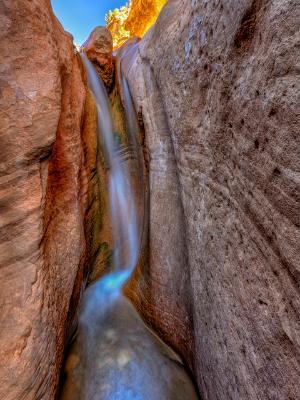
215,84
115,356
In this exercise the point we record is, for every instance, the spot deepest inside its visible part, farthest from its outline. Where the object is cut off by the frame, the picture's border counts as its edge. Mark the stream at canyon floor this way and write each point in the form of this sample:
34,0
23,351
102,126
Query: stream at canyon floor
115,356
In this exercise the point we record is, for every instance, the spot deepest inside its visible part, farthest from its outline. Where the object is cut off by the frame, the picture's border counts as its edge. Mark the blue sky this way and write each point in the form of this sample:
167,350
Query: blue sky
79,17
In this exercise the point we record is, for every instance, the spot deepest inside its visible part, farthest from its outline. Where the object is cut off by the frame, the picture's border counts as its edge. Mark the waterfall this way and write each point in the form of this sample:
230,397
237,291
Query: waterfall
122,199
115,356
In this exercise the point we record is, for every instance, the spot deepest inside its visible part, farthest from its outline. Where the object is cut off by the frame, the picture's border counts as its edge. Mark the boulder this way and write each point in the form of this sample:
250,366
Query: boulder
99,47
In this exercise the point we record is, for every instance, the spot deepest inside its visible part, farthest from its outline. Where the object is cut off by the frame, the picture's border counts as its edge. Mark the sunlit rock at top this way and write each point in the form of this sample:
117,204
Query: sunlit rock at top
133,20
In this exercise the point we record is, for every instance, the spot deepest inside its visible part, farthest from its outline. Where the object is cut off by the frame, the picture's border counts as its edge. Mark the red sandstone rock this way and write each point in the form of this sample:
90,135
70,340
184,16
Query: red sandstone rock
46,182
216,84
98,48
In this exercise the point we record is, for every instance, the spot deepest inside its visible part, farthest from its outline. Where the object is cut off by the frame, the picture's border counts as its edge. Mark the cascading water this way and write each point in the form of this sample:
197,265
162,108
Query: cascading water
121,197
115,356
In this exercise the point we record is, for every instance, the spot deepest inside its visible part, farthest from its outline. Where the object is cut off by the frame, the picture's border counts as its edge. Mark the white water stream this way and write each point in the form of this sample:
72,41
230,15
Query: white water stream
123,210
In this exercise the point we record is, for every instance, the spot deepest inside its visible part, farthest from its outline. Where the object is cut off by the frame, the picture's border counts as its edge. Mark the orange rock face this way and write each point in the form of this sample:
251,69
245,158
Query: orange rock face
142,15
133,19
46,182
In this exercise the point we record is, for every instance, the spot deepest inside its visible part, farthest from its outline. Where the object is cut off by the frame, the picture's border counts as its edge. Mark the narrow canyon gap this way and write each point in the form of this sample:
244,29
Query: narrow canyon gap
114,355
215,85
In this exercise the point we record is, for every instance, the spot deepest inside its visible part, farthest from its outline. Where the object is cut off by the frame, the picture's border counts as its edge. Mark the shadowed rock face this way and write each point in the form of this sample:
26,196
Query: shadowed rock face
216,86
48,193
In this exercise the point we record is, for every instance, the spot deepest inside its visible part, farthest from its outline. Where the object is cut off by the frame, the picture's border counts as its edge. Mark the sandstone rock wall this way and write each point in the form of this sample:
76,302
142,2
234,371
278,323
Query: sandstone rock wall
167,300
47,188
216,85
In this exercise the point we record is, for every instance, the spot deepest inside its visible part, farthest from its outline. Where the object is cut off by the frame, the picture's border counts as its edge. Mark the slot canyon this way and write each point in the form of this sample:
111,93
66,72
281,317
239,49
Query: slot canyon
150,203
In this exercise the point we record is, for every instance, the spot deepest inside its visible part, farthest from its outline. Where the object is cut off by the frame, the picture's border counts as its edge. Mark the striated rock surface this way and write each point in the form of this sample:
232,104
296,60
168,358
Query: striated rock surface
216,86
48,192
98,48
166,301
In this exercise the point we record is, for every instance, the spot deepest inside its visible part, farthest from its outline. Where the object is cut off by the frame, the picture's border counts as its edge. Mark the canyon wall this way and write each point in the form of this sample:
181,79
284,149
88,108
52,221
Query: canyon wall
49,195
215,83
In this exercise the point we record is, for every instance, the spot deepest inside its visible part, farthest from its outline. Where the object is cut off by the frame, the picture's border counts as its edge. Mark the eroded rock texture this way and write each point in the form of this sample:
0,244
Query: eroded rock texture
216,85
47,187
